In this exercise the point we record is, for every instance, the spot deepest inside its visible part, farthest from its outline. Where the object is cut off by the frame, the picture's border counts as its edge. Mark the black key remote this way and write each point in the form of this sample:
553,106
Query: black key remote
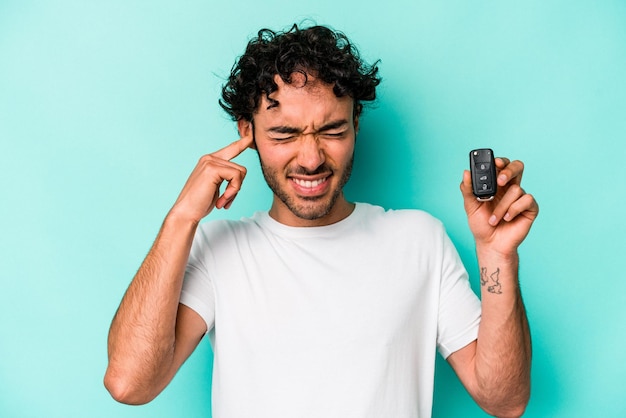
483,169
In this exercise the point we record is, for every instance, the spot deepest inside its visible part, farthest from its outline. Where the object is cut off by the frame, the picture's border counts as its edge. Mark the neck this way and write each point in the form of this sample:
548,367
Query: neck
340,210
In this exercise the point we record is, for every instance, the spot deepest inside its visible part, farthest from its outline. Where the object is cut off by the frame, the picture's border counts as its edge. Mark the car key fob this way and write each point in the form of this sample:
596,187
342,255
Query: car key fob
483,169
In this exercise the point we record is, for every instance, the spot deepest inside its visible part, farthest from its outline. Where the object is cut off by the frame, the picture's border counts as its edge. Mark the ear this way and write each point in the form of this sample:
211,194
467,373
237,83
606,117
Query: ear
356,112
246,128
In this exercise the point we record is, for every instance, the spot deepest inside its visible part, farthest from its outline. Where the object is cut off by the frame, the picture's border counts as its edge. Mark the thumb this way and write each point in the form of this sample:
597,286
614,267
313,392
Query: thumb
469,200
466,185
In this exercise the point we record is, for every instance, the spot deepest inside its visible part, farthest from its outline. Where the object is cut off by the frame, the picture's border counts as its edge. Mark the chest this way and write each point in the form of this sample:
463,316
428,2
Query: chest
327,292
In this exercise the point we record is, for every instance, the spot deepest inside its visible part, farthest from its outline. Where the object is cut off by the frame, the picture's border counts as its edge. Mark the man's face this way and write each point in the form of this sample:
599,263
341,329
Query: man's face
305,140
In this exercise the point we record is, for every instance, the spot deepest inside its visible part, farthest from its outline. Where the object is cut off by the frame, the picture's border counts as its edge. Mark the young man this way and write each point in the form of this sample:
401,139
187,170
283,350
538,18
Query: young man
321,307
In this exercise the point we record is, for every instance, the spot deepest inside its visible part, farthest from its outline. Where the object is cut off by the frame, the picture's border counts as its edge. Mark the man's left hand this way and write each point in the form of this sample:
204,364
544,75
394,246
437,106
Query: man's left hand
502,223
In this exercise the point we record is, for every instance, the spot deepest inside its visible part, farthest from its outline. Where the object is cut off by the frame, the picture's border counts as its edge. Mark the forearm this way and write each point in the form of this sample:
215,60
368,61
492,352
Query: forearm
503,351
142,335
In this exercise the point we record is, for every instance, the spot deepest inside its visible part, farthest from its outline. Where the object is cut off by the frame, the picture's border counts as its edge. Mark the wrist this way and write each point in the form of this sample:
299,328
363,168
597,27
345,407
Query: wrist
492,254
180,220
498,273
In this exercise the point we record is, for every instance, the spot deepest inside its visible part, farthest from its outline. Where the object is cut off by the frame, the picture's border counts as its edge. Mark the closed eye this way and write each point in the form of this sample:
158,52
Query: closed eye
333,134
283,133
283,138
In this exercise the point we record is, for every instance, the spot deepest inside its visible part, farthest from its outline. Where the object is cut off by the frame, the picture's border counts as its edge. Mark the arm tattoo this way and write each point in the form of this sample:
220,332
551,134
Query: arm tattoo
492,281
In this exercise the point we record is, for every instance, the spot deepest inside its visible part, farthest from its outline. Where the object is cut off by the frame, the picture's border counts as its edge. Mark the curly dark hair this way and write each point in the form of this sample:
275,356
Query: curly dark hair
317,50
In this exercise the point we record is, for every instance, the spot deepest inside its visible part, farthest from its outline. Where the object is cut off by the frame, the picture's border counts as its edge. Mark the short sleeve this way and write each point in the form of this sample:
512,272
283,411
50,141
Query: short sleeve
459,307
198,291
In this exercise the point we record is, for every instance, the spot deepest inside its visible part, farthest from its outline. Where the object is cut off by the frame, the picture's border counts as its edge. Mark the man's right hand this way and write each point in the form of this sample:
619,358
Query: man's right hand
152,334
201,193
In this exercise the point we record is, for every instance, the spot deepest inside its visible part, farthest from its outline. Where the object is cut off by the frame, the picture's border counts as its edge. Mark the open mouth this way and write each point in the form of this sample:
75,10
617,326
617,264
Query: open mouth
311,188
309,184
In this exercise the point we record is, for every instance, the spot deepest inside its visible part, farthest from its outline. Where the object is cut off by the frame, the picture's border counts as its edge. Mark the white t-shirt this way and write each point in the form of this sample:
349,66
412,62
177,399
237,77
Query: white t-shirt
342,320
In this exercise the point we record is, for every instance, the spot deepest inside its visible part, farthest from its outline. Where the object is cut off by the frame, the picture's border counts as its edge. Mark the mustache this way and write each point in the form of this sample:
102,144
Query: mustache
322,169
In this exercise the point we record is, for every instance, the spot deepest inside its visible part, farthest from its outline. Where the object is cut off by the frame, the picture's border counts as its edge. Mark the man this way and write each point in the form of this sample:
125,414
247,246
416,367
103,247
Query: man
321,307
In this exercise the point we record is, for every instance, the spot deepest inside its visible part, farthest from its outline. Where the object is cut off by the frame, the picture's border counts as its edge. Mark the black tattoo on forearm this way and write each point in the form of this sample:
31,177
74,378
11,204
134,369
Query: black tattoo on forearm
492,281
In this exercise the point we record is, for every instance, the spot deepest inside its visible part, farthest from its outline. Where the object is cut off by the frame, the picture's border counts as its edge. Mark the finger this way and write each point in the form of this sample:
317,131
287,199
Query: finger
466,184
469,199
510,171
216,170
223,203
502,162
235,148
234,186
526,205
230,202
513,193
225,200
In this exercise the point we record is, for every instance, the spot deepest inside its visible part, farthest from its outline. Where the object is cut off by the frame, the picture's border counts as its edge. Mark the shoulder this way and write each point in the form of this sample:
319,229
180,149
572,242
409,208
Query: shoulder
221,230
399,219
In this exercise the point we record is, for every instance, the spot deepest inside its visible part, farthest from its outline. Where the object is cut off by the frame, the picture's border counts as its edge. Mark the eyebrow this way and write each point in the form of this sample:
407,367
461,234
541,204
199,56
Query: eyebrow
285,129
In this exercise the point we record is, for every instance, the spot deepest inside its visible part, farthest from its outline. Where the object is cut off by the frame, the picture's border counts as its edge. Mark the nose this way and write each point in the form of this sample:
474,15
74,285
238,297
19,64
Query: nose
310,153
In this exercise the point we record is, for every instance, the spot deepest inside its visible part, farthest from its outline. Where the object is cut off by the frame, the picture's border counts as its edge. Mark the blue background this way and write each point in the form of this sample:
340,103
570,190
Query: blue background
105,107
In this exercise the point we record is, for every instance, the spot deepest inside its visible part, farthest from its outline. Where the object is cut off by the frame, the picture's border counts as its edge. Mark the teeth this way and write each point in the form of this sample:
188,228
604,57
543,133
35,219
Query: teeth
309,184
